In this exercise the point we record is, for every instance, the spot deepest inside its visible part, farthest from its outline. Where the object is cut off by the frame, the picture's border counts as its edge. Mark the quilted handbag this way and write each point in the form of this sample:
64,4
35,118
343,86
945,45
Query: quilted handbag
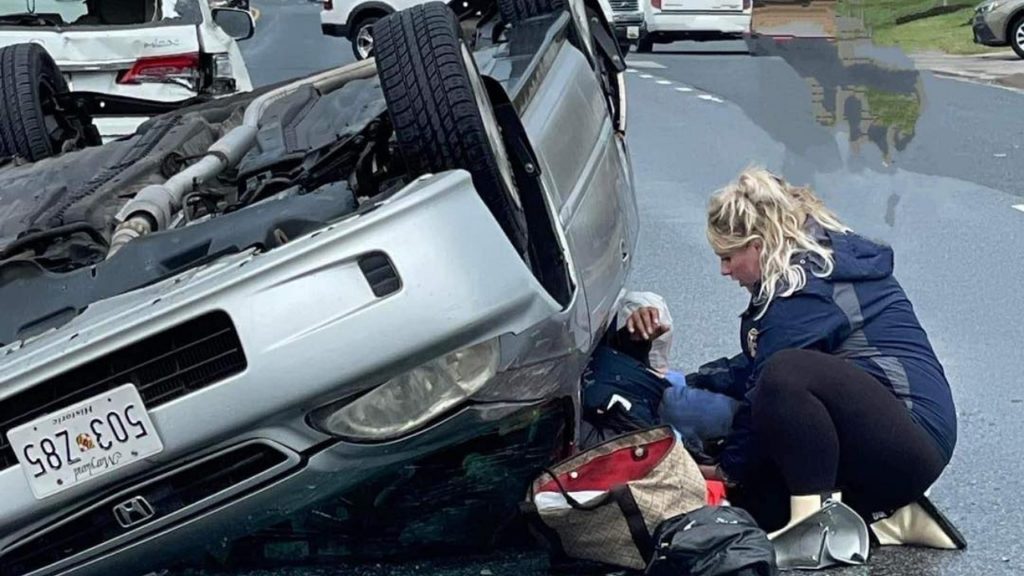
604,504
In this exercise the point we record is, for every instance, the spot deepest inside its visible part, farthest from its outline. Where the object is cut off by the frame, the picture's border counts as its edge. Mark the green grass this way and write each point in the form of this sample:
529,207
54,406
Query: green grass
898,110
883,13
949,33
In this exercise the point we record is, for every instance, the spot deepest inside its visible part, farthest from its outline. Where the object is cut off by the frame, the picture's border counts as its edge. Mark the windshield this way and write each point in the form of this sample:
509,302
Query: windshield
64,13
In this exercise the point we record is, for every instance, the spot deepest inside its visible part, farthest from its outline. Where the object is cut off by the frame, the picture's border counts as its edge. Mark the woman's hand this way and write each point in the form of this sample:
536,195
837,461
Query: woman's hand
645,324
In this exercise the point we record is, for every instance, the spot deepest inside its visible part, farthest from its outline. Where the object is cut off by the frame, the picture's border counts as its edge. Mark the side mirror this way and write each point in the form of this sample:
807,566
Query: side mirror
239,24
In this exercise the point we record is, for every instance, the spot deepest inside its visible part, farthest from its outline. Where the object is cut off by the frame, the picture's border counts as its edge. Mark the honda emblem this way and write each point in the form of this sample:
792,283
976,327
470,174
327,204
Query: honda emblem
133,512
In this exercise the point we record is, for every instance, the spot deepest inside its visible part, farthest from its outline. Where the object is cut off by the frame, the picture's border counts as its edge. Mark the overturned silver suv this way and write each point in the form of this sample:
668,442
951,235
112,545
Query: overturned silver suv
336,310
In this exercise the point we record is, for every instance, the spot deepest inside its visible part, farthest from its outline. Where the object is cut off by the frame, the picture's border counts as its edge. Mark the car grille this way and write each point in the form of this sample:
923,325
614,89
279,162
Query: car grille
163,495
163,367
625,6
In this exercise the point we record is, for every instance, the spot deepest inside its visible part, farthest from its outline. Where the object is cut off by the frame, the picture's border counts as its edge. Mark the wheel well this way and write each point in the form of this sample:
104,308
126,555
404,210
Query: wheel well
1012,22
549,264
378,10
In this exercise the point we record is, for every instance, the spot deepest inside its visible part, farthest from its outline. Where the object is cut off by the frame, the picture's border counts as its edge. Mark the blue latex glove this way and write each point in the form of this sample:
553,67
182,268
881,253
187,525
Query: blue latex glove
697,414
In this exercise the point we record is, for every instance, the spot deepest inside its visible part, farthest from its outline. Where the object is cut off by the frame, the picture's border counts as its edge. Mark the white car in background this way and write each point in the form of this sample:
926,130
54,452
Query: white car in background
672,20
354,19
156,50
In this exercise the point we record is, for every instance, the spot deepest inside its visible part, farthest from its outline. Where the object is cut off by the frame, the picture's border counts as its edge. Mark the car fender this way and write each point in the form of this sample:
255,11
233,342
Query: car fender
1007,36
214,40
363,8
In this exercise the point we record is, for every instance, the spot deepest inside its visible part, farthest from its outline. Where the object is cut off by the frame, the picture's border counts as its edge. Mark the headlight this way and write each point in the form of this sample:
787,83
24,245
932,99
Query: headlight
410,400
986,8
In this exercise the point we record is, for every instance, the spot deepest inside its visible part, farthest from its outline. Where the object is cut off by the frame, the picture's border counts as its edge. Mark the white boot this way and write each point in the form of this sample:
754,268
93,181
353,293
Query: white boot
801,507
918,524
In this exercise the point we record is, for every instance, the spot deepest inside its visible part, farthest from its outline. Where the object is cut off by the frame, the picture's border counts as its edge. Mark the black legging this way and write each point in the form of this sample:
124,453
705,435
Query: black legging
821,424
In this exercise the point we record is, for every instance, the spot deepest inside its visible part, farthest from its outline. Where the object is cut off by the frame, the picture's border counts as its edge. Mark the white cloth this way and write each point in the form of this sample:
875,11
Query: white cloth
662,345
557,501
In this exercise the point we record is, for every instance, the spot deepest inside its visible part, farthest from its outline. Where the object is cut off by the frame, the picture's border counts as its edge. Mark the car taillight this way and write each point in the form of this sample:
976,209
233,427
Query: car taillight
223,75
656,4
328,5
747,4
179,68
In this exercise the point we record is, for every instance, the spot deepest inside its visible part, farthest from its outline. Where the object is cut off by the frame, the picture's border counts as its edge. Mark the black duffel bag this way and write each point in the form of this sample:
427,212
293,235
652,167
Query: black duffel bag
712,541
620,395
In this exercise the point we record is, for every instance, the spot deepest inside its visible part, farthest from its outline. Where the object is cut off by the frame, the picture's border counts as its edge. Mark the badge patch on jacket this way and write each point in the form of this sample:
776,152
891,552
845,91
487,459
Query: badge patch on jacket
752,342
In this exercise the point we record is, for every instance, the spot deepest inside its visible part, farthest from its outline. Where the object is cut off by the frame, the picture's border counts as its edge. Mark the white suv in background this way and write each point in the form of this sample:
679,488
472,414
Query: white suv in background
156,50
671,20
353,19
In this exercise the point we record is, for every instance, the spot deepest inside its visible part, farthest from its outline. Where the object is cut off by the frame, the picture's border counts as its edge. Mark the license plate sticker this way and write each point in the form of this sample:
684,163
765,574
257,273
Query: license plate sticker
84,441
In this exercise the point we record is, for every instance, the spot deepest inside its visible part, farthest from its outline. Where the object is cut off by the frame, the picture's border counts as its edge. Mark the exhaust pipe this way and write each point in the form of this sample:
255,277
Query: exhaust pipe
153,208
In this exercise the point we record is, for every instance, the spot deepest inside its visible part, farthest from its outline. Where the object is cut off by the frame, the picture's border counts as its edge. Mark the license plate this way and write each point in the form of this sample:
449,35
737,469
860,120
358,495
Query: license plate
632,32
84,441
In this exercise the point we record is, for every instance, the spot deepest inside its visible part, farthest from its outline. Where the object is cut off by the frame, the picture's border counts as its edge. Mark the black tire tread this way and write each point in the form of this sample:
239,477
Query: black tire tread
22,128
513,11
430,100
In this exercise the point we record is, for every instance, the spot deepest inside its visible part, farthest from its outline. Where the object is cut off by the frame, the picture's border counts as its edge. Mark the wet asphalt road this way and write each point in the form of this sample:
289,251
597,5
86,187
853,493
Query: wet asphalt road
930,165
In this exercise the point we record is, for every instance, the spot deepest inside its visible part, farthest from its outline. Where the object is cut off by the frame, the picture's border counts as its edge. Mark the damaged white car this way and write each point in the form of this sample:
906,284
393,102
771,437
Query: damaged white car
157,50
334,311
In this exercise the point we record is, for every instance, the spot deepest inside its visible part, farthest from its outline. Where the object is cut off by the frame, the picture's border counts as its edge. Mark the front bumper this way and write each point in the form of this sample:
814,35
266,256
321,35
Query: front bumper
628,26
329,29
310,323
338,493
681,25
985,34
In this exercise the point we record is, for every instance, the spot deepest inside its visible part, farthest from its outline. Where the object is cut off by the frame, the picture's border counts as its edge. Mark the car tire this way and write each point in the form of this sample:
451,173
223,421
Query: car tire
440,110
31,124
1015,35
513,11
362,37
644,46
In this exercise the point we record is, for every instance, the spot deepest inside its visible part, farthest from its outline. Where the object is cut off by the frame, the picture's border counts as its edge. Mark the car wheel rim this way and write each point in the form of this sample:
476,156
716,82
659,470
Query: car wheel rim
364,41
1020,36
491,127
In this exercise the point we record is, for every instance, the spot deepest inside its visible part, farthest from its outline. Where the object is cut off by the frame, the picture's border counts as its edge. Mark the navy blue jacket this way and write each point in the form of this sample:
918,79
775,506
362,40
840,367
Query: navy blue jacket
860,313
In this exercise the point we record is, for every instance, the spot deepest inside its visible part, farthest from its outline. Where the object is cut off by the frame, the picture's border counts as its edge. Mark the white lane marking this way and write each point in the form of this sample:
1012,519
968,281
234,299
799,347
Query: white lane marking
710,98
1019,207
684,89
645,64
630,70
664,82
646,76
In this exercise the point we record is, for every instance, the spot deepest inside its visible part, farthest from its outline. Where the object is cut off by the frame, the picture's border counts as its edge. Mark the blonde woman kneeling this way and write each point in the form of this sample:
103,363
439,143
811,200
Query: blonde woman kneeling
843,395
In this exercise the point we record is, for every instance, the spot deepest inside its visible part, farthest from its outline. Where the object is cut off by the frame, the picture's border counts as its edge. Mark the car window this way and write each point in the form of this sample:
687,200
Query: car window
64,13
69,11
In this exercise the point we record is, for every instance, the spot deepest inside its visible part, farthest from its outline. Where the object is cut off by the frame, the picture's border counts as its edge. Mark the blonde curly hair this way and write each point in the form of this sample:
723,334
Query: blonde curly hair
761,206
